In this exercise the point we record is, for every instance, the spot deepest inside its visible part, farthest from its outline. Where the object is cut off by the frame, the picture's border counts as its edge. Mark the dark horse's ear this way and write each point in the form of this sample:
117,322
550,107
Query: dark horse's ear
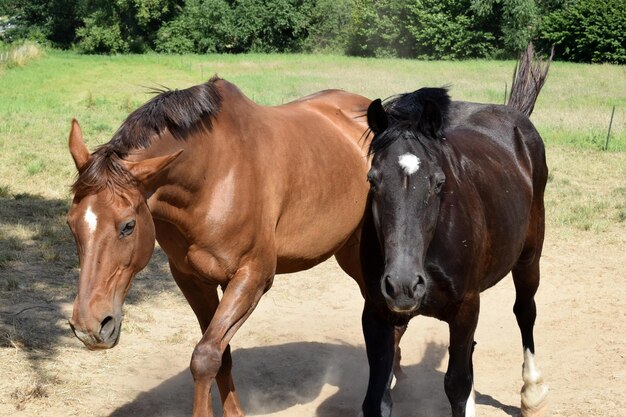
377,119
431,120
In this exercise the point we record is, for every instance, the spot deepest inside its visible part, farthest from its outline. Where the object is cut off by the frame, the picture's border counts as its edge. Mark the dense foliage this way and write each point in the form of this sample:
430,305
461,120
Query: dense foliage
587,31
437,36
581,30
239,26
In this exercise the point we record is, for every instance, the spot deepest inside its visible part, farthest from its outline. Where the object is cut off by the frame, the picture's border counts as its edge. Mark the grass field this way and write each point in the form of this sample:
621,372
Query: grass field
586,195
38,100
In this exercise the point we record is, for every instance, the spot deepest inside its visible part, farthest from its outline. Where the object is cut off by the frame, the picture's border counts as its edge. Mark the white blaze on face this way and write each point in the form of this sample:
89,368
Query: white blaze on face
409,163
91,219
470,405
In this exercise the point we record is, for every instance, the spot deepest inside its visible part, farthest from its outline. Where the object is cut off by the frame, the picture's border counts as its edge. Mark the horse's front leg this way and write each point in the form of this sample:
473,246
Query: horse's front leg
379,344
241,296
203,299
459,377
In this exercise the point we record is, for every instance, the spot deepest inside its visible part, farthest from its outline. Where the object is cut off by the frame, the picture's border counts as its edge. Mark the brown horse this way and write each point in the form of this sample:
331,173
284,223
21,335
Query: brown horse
233,192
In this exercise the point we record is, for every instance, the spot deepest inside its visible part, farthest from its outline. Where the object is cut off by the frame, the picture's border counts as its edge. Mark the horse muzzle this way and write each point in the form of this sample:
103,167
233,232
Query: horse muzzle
403,293
106,336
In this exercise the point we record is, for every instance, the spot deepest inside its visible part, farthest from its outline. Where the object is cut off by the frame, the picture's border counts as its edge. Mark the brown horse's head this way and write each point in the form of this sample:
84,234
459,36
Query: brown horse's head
114,234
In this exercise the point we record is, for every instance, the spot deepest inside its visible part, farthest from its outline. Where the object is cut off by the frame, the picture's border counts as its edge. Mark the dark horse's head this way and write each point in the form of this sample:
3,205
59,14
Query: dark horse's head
406,181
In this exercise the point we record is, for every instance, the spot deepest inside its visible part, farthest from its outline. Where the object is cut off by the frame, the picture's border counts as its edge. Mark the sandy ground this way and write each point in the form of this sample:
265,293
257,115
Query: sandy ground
301,353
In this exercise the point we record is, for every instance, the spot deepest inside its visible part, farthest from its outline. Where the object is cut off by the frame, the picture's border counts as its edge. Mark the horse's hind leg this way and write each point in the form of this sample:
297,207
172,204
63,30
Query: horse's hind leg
397,336
534,392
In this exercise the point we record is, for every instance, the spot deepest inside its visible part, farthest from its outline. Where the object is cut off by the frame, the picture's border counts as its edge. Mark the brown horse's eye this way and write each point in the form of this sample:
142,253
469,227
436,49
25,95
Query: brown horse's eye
127,228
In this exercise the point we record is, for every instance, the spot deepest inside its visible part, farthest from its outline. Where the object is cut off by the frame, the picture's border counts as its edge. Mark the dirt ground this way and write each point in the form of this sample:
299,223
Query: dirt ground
302,354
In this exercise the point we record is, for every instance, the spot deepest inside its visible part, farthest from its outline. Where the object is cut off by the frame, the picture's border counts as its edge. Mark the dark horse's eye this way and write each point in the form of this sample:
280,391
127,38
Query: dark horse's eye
439,184
127,228
372,181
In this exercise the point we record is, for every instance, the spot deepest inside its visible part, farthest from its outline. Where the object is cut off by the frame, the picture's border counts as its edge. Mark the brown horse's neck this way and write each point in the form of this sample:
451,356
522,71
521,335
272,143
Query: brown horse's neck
176,189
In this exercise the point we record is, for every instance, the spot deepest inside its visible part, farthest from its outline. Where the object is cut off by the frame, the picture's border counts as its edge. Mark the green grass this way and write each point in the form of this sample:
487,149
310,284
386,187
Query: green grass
38,101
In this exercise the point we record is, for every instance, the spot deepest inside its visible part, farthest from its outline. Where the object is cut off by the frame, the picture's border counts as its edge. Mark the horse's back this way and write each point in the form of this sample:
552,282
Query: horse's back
494,120
344,109
496,162
505,130
311,156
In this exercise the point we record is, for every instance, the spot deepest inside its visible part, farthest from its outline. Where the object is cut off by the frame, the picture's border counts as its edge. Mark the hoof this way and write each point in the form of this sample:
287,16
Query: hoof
534,392
399,373
535,400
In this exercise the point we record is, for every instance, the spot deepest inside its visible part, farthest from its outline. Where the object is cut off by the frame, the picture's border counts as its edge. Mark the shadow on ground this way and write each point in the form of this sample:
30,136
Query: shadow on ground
39,272
38,275
275,378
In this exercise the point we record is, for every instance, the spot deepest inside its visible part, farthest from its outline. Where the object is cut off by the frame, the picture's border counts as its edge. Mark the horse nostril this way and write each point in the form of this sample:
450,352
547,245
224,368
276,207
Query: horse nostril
390,290
419,282
107,328
72,327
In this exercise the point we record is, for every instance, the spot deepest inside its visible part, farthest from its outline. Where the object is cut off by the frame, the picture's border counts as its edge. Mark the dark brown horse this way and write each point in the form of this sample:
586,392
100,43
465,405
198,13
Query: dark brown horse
233,192
456,204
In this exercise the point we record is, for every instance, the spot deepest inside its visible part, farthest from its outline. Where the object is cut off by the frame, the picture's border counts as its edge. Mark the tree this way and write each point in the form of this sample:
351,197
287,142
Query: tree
329,26
53,21
271,26
204,26
587,31
449,29
378,29
518,21
237,26
123,25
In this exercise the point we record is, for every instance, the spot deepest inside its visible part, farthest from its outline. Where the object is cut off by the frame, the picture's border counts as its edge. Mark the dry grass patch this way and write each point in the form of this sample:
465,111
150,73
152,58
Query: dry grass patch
177,338
586,192
23,395
20,55
34,390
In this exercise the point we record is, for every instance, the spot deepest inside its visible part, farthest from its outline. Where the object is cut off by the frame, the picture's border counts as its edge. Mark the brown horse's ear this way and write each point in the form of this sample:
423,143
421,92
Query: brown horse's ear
144,171
79,151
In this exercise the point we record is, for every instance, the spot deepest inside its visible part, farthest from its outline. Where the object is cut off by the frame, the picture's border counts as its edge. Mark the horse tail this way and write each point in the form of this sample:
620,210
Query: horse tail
528,78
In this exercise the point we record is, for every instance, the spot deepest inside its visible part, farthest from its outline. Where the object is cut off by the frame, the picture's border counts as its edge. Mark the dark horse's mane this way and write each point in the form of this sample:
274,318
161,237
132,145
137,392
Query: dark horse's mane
407,112
179,111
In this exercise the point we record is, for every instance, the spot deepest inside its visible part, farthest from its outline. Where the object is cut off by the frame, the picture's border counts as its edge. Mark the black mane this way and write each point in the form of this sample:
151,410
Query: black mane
407,112
179,111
